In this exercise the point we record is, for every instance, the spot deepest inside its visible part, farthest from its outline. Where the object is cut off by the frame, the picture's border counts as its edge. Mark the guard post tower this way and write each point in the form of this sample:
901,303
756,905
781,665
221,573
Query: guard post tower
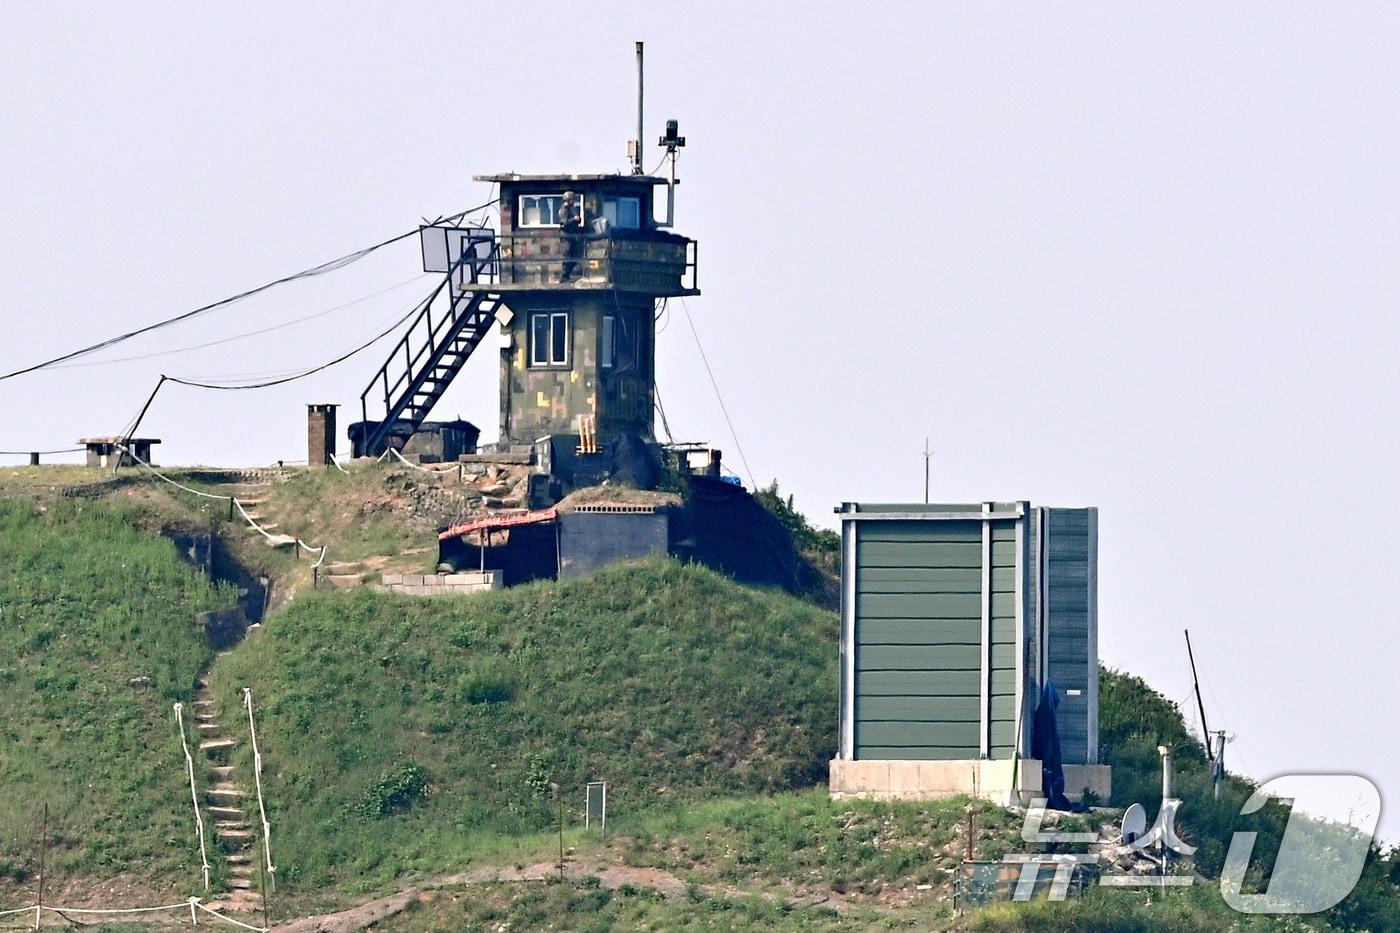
573,277
578,338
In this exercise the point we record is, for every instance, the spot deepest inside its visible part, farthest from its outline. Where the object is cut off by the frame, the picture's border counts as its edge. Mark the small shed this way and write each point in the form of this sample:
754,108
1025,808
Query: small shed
102,451
953,618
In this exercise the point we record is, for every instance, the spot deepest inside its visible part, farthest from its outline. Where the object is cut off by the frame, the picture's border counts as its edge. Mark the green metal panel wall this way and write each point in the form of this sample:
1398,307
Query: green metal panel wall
1005,640
918,639
1071,644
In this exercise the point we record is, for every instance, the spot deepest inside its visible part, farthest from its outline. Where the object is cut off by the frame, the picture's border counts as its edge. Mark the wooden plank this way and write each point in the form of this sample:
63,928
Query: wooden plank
913,753
933,605
941,578
918,554
946,734
919,658
1004,553
919,632
917,683
919,606
917,709
952,532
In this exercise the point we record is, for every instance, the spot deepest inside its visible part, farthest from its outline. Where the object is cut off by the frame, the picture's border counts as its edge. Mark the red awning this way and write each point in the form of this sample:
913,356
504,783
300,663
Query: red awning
495,522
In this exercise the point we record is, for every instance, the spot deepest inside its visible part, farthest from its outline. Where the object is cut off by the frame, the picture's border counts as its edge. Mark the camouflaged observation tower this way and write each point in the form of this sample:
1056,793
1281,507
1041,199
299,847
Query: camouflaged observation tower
573,278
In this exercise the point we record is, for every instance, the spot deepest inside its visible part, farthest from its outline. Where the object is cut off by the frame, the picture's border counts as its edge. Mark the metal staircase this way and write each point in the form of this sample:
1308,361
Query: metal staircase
431,353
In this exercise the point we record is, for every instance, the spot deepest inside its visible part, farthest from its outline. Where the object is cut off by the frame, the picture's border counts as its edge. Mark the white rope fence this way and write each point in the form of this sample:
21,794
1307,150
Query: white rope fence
309,548
257,780
192,905
449,468
194,794
336,463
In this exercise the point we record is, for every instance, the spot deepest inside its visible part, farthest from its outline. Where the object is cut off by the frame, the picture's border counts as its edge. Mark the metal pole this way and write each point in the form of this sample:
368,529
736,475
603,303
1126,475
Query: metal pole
1205,730
1218,766
927,454
126,440
43,857
637,156
262,874
559,796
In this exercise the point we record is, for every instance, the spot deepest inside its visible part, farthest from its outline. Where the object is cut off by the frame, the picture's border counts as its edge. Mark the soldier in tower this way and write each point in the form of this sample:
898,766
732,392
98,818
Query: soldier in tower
571,228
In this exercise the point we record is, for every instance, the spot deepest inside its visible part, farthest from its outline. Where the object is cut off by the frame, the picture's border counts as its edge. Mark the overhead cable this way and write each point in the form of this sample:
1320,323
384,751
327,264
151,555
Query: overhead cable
325,267
417,308
725,411
243,336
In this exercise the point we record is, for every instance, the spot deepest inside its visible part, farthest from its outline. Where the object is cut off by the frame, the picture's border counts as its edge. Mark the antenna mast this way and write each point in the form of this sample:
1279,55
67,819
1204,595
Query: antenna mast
636,146
927,454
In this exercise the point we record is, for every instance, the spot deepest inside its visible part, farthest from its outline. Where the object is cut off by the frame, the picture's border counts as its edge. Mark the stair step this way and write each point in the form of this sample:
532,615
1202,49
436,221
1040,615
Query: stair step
227,813
221,772
218,745
243,868
204,715
208,728
203,704
225,790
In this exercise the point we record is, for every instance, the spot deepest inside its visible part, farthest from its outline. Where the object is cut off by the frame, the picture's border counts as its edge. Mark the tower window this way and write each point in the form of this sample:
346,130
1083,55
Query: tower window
623,213
540,210
549,339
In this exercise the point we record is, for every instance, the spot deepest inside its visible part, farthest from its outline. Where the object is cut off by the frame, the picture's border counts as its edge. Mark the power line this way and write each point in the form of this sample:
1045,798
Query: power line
704,359
244,336
325,267
415,309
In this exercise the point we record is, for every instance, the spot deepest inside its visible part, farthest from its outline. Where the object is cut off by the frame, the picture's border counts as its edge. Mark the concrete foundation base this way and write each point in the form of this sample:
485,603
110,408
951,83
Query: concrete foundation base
442,584
1097,779
934,780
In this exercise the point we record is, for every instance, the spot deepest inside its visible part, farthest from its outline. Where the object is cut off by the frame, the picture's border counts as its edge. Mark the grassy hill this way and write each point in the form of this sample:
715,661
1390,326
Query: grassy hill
405,730
411,739
90,603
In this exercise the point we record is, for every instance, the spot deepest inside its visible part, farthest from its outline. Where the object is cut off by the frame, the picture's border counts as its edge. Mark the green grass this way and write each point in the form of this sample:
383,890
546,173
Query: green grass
401,733
589,908
809,842
87,603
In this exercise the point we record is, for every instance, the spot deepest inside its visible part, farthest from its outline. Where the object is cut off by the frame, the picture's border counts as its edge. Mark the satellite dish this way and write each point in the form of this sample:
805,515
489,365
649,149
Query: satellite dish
1134,823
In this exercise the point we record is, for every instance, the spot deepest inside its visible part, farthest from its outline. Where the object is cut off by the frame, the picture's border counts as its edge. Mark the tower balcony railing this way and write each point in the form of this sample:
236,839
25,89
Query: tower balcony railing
650,261
656,263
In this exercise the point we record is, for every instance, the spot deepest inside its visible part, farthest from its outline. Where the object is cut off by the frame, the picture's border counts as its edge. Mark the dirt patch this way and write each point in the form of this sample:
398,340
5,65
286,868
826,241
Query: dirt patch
356,918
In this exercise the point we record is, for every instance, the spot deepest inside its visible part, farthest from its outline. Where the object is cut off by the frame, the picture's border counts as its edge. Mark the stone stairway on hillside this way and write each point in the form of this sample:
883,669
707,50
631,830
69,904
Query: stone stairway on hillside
225,801
252,493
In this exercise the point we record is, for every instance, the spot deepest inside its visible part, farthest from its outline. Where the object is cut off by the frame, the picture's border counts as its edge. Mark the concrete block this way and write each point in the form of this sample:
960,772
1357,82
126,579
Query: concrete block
904,779
1096,778
390,579
933,780
859,778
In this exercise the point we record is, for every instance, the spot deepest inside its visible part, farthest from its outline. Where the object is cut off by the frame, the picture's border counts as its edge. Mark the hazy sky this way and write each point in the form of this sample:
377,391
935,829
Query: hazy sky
1135,256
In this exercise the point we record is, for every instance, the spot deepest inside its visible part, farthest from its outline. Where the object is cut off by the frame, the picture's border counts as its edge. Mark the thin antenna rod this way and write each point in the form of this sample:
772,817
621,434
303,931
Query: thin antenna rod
1205,730
637,155
927,454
